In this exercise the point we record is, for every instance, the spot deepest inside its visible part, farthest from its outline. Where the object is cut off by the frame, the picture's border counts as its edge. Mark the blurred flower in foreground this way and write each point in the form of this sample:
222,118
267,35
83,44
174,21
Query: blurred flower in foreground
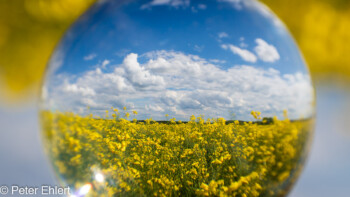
29,31
321,28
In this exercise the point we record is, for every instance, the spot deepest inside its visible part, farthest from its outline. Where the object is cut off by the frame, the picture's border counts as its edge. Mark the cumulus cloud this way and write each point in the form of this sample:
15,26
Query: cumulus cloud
181,85
74,89
90,57
155,108
265,51
243,53
172,3
139,76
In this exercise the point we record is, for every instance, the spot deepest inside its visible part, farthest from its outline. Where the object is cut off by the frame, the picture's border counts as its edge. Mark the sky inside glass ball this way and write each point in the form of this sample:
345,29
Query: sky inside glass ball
216,58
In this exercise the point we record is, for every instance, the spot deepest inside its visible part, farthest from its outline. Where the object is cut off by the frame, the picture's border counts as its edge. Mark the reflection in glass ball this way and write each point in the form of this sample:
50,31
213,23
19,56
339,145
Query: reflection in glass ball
177,98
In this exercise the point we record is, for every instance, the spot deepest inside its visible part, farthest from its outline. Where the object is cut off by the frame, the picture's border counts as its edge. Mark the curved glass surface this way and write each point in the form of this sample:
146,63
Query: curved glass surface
177,98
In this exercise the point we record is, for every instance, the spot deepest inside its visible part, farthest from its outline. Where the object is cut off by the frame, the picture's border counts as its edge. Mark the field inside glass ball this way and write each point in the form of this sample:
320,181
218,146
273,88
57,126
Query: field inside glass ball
177,98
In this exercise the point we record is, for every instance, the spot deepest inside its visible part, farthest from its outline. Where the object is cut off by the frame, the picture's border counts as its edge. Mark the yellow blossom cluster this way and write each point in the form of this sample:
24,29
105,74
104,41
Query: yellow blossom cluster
176,158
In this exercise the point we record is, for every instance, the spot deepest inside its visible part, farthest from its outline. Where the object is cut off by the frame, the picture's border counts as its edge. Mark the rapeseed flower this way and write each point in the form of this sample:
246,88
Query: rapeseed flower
149,158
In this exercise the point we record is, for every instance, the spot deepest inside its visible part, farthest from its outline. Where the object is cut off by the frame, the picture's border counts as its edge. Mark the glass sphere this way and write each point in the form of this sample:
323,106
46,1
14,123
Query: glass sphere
177,98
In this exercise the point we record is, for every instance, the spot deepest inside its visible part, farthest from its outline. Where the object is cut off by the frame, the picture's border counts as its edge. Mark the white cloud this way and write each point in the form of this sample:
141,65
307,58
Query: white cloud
90,57
105,63
222,35
243,53
181,85
172,3
266,52
155,108
242,44
217,61
75,89
139,76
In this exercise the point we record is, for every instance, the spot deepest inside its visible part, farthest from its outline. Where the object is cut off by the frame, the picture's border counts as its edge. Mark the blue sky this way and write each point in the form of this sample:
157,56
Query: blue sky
193,29
235,41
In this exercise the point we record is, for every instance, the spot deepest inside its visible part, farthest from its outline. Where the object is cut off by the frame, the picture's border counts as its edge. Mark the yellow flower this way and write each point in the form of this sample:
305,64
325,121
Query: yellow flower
155,158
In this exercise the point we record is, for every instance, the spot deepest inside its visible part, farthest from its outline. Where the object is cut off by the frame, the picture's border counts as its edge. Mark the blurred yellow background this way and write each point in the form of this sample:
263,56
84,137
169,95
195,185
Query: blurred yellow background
321,28
30,29
29,32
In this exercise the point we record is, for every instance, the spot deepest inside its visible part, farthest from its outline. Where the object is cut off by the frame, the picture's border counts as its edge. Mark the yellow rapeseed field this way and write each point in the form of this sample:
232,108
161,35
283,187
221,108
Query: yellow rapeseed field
200,157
